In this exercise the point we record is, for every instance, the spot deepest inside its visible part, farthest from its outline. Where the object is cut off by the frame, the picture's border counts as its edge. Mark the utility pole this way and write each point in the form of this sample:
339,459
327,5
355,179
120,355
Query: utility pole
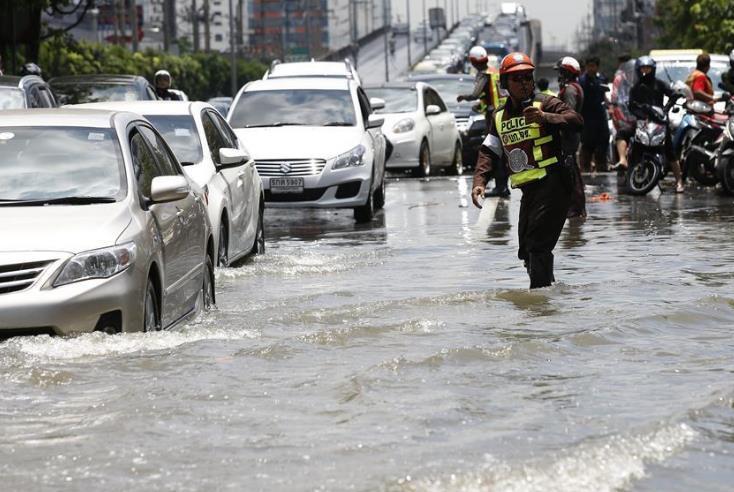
424,30
385,31
195,24
134,24
207,27
410,37
232,55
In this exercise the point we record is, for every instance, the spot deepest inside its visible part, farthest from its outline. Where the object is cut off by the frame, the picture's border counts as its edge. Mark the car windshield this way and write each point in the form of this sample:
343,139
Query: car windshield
49,163
397,100
450,88
310,107
672,71
180,133
11,98
98,92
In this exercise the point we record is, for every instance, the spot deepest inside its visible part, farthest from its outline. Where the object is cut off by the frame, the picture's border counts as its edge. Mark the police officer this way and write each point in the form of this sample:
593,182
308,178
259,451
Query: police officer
572,94
487,91
162,82
525,136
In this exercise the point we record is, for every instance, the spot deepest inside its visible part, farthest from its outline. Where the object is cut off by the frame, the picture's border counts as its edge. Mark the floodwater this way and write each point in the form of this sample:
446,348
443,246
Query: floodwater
408,355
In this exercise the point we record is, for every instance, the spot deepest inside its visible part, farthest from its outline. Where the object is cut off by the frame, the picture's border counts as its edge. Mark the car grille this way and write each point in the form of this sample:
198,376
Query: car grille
20,276
290,167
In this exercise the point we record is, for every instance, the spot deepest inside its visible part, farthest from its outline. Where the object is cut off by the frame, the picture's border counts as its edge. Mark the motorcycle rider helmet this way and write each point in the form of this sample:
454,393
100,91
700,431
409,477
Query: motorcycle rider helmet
162,74
30,69
478,55
645,61
568,69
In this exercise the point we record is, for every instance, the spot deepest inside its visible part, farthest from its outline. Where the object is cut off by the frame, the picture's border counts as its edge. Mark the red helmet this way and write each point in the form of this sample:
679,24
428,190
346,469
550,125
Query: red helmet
516,62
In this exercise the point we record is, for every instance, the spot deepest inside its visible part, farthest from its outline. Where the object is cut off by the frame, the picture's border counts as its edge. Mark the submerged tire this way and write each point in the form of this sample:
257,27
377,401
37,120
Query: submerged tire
152,313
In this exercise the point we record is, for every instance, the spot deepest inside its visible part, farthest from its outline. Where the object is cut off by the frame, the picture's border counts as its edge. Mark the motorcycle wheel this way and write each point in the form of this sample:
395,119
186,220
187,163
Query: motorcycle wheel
726,174
642,176
701,171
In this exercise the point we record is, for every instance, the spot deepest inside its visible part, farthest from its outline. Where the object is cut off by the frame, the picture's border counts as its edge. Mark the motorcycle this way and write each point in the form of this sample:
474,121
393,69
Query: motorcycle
646,152
724,157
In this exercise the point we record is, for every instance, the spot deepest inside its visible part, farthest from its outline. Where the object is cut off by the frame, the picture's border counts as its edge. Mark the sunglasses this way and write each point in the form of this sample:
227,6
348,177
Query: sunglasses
521,77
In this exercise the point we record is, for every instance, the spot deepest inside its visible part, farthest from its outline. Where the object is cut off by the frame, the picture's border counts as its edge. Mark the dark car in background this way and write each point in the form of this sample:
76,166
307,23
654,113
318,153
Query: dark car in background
30,91
79,89
471,124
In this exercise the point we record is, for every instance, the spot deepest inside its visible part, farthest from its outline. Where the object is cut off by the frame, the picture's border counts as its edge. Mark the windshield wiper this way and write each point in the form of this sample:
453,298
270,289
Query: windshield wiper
338,123
277,123
66,200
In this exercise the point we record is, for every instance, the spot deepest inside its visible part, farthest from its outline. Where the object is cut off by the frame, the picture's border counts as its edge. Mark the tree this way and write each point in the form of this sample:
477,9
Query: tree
704,24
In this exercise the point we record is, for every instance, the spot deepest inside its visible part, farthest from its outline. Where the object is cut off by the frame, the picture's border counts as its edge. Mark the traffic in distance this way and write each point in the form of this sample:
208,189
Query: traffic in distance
119,197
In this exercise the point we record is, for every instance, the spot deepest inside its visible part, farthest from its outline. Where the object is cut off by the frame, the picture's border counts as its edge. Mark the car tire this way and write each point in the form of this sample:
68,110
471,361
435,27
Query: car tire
151,312
223,247
207,286
258,247
424,161
380,195
457,165
366,212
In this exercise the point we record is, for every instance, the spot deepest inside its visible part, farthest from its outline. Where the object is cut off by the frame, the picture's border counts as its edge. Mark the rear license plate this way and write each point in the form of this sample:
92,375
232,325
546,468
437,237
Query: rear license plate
286,185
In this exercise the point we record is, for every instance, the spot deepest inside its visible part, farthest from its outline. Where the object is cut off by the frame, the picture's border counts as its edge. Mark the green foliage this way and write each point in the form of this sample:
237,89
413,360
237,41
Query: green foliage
200,75
705,24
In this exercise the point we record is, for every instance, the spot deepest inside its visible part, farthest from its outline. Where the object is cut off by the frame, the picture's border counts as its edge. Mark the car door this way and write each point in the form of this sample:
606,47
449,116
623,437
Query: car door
375,137
238,181
186,242
438,124
448,125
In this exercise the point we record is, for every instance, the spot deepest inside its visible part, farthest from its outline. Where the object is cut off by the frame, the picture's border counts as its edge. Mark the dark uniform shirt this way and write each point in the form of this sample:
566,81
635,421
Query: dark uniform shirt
594,108
643,94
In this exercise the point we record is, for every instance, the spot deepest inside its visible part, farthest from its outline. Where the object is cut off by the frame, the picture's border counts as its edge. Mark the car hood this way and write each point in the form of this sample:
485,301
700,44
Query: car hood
299,142
63,228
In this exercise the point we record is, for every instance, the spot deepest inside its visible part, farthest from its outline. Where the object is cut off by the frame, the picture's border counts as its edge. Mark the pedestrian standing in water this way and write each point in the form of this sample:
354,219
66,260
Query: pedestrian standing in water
595,135
525,136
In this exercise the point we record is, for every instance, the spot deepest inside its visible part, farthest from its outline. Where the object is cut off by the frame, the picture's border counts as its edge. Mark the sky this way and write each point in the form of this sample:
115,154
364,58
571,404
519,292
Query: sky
560,18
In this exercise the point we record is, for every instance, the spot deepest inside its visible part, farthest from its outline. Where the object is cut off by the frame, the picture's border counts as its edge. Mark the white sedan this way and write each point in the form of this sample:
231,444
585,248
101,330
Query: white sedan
218,162
420,129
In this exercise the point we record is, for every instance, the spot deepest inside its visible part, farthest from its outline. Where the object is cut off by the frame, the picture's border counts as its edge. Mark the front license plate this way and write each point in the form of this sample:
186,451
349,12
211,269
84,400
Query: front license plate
286,185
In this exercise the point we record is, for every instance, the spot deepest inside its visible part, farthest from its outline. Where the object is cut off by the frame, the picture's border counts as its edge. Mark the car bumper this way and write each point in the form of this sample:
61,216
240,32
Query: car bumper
341,188
75,308
405,151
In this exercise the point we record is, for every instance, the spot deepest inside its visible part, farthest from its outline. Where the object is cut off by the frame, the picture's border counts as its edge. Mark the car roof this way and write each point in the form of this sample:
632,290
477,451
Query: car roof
312,69
299,83
144,107
58,117
91,79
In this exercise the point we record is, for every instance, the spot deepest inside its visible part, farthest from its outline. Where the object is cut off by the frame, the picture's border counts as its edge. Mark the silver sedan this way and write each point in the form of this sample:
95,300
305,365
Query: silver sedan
101,229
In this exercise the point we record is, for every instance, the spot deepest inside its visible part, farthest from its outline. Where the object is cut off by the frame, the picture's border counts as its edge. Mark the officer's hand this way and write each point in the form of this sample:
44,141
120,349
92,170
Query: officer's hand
477,196
459,98
533,115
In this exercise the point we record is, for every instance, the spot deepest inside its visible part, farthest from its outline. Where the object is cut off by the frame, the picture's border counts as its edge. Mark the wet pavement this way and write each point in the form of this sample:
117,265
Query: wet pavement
408,355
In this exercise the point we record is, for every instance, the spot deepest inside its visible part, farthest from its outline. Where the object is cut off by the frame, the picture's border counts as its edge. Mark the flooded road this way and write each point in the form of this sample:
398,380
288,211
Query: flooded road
408,355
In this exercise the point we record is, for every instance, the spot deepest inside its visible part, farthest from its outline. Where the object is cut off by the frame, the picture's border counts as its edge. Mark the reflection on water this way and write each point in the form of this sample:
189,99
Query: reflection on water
407,354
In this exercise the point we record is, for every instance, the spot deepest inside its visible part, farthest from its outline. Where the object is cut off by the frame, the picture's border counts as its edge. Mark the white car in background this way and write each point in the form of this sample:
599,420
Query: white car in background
327,69
315,143
421,130
217,161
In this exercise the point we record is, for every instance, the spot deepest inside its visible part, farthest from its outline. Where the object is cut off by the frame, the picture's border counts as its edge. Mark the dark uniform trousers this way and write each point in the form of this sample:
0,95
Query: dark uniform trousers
543,209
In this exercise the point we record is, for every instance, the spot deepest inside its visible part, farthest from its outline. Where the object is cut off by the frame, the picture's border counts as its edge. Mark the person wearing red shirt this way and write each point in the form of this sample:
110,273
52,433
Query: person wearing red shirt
699,82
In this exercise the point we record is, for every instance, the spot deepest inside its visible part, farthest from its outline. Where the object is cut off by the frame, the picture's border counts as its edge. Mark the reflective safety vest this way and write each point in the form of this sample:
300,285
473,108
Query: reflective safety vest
493,97
526,146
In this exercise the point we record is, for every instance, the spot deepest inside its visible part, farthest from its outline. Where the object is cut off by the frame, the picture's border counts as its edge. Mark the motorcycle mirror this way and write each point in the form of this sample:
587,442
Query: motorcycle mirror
676,109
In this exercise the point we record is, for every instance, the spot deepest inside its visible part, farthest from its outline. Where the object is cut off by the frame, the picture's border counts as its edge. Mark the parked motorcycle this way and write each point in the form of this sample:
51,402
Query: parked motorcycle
646,152
724,158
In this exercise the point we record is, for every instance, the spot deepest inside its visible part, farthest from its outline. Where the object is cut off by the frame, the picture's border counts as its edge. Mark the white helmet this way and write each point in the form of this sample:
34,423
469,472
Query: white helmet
569,63
162,73
478,55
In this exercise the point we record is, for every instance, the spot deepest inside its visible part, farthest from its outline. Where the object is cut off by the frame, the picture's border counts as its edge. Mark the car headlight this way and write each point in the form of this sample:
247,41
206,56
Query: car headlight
404,125
98,263
351,158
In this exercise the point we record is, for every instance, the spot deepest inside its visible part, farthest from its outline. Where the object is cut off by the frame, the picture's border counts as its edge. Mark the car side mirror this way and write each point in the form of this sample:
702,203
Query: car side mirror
432,109
168,189
374,121
377,103
232,157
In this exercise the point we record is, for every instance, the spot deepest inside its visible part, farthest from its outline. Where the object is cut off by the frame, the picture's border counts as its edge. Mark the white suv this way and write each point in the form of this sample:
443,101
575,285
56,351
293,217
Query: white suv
327,69
315,143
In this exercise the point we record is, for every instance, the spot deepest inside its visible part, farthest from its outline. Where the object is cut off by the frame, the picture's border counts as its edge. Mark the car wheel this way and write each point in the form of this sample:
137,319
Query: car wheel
152,316
457,166
380,195
424,161
366,212
259,247
223,253
207,286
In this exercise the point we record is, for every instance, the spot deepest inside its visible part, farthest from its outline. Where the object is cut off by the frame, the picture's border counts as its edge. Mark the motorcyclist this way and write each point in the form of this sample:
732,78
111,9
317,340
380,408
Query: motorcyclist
30,69
525,136
572,94
699,81
487,91
162,82
646,93
727,78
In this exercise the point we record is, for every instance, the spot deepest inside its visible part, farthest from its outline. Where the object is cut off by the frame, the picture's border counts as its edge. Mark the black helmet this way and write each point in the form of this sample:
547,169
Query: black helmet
30,69
645,61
